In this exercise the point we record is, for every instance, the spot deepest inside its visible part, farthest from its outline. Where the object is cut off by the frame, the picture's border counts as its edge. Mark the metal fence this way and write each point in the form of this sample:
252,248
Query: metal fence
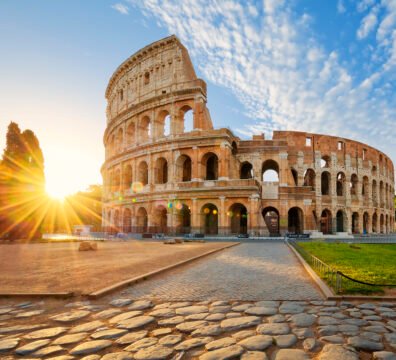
337,280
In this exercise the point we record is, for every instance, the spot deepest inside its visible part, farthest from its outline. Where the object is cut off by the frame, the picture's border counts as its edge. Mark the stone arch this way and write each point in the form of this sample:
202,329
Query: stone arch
295,220
238,218
326,222
234,148
341,181
354,184
161,171
210,163
127,218
160,219
271,219
374,224
309,178
186,115
144,129
209,219
183,219
163,124
325,183
131,133
142,175
246,170
386,223
341,221
141,220
381,194
325,161
127,181
355,223
270,171
183,168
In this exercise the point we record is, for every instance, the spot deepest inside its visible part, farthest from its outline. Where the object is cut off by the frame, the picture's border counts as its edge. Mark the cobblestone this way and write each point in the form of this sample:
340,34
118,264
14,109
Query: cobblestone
259,266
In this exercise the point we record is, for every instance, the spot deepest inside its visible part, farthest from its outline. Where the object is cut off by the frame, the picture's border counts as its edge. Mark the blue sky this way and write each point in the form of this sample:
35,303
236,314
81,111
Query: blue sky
320,66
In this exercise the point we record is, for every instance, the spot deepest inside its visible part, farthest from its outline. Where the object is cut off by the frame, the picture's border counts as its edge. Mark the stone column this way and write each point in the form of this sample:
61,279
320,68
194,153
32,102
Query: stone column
195,220
222,216
283,169
195,166
224,161
253,214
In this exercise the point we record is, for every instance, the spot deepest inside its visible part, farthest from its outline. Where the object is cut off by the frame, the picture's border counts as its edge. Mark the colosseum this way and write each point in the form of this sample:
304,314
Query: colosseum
168,170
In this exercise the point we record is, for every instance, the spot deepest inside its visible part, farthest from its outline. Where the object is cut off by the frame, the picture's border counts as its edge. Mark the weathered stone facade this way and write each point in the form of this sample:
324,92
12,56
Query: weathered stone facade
162,176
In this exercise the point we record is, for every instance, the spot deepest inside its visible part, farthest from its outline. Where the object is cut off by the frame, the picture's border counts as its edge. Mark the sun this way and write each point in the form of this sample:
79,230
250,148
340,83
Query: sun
56,192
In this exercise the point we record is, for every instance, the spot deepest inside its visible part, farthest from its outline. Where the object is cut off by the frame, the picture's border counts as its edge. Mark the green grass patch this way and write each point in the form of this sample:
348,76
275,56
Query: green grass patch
372,263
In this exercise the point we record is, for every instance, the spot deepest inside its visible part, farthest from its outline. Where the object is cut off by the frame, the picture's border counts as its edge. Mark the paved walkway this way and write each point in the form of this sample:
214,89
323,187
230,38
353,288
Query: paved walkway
143,330
250,271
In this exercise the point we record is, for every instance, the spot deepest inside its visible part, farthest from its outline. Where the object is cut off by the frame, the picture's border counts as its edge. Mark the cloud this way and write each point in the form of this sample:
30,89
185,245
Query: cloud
121,8
341,7
270,58
367,25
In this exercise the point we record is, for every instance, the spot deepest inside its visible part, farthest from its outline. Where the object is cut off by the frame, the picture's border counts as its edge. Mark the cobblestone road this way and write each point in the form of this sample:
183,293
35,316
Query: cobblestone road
250,271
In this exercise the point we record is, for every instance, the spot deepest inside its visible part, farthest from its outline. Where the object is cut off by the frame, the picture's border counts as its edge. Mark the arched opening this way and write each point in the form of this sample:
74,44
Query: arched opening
355,223
146,78
340,184
127,221
209,215
382,223
130,133
374,171
211,166
295,176
340,221
375,223
144,129
238,219
295,221
127,177
366,223
354,184
183,218
234,150
270,171
163,124
160,220
326,222
161,171
141,220
325,162
143,173
187,116
386,224
271,219
325,183
246,171
309,178
183,168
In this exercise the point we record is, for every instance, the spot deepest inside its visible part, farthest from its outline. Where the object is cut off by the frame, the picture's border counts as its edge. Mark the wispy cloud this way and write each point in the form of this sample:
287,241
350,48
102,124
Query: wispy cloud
269,57
121,8
341,7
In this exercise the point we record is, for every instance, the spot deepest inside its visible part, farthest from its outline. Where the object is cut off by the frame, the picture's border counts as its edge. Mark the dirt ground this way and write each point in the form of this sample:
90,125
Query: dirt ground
60,267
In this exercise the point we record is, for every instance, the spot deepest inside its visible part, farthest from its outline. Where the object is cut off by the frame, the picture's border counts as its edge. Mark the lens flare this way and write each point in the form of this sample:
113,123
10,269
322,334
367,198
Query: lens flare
137,187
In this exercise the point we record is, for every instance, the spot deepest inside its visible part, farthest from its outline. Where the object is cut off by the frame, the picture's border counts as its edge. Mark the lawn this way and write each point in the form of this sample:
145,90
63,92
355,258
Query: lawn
372,263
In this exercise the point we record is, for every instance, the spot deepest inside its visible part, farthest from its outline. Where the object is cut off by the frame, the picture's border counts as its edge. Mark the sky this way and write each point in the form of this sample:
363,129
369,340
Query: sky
308,65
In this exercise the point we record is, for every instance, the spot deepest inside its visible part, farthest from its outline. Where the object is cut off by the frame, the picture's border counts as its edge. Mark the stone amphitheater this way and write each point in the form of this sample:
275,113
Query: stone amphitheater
168,170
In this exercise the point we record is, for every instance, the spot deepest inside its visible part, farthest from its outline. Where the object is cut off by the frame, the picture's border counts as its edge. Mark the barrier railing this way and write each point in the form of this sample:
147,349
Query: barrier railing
337,280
